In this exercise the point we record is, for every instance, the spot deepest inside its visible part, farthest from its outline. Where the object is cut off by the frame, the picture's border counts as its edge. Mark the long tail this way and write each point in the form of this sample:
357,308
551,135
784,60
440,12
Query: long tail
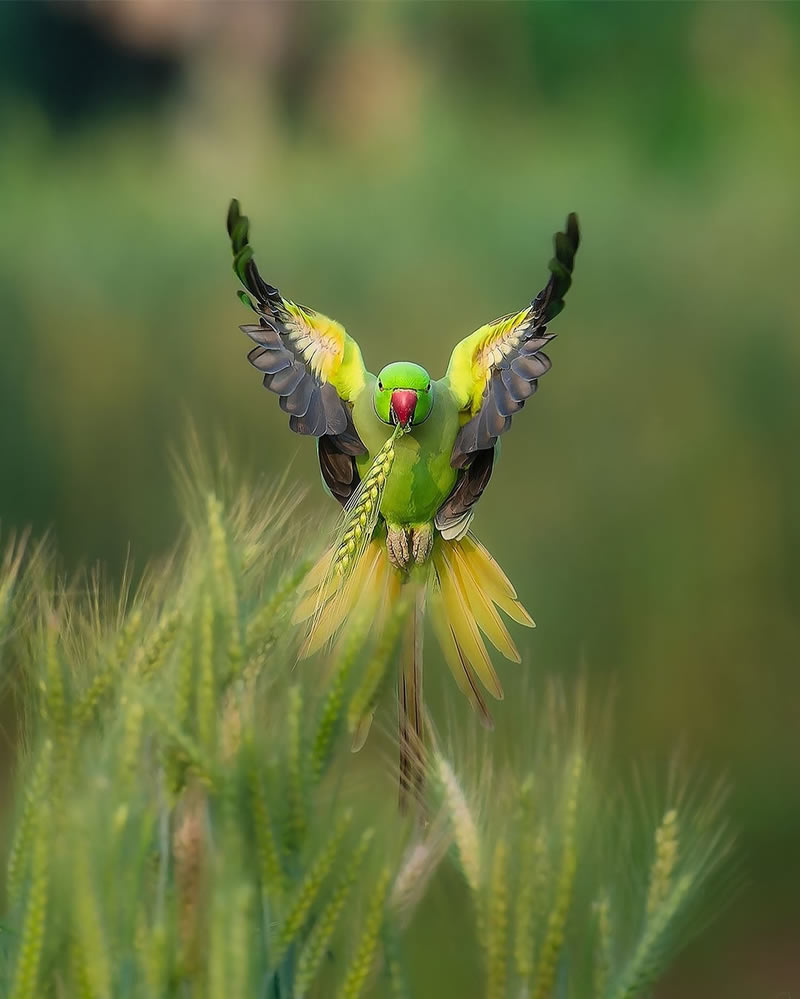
464,589
410,706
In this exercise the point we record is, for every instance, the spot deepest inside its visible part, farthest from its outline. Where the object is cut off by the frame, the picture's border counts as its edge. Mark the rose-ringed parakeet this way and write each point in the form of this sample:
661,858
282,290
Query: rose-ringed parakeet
408,457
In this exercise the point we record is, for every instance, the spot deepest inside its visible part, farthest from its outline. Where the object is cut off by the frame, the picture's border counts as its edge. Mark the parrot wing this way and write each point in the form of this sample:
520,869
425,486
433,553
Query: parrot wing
491,373
307,359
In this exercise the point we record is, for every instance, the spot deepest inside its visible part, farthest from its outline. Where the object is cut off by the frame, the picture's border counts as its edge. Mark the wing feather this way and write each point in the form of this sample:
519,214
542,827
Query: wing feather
530,367
308,360
455,515
518,386
286,379
298,398
269,361
335,418
506,404
495,369
339,472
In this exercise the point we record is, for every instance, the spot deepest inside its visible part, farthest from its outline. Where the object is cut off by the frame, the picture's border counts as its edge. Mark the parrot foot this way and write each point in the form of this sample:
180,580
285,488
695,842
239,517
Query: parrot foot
397,546
405,545
422,543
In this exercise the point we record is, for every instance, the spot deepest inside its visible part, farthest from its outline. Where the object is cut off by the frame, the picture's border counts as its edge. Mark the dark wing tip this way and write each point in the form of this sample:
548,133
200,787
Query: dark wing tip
516,379
243,264
314,409
561,266
572,231
234,214
566,246
238,227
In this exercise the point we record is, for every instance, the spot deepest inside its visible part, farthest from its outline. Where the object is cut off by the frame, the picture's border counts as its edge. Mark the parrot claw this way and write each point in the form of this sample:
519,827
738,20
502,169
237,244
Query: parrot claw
405,545
397,547
422,543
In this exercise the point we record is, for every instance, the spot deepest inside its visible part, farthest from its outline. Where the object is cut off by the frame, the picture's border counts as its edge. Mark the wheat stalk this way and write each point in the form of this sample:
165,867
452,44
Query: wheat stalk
363,513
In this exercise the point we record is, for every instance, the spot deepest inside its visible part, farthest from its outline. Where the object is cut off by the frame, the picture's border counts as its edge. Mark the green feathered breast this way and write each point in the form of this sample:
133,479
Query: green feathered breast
422,476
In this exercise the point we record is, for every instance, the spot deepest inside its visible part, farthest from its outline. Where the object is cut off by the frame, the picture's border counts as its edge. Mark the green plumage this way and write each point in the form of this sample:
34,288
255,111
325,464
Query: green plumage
409,458
422,476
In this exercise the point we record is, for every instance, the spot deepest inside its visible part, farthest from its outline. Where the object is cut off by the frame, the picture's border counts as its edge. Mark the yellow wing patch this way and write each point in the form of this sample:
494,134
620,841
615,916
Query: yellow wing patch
499,340
325,346
319,340
473,359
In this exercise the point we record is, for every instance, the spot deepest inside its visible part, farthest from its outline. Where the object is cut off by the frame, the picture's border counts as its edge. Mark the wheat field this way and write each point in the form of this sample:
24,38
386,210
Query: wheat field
188,823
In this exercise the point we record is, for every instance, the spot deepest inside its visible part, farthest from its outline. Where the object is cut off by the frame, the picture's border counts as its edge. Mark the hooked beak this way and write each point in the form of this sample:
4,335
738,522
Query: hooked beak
404,402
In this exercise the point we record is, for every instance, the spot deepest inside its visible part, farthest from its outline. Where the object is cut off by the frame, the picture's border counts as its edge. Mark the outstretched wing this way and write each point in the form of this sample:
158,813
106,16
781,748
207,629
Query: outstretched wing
307,359
492,373
494,370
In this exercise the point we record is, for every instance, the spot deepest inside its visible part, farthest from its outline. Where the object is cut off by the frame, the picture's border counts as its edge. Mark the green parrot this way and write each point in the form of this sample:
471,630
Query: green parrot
408,457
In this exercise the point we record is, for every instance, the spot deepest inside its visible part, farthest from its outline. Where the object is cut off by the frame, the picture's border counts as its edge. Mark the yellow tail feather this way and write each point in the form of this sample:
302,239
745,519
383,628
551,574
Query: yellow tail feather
461,619
494,581
454,658
332,604
489,621
317,573
463,586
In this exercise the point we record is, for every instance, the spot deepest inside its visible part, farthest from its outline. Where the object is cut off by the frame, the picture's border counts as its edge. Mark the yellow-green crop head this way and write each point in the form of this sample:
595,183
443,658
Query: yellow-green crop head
403,394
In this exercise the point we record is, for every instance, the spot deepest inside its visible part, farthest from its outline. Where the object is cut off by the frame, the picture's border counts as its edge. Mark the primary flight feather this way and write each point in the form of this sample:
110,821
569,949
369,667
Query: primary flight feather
408,457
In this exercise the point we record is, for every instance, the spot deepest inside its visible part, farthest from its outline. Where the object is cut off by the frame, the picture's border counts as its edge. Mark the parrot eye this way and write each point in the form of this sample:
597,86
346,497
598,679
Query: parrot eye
428,388
380,385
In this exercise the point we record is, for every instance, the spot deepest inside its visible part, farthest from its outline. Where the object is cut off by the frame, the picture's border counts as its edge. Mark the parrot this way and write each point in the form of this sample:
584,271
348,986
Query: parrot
407,457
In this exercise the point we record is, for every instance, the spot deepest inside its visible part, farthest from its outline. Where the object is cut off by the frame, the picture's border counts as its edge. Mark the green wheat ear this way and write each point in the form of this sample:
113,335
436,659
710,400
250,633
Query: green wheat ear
296,791
497,923
465,828
311,886
357,974
366,695
603,958
331,715
32,937
362,511
314,950
270,864
28,824
557,919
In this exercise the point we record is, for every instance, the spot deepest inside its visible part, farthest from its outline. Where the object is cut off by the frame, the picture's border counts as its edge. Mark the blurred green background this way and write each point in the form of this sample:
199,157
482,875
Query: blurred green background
404,167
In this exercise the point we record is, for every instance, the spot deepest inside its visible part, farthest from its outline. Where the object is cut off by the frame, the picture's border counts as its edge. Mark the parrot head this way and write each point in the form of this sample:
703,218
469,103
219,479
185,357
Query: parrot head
403,394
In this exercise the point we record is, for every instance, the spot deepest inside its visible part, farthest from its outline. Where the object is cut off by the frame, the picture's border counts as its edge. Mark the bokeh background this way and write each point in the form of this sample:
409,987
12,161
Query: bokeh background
404,167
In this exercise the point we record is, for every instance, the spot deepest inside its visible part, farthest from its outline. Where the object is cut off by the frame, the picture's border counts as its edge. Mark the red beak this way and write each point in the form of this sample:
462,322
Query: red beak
404,402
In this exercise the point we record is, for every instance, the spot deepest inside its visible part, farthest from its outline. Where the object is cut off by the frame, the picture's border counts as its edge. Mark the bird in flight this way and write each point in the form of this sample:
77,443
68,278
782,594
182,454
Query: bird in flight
408,457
